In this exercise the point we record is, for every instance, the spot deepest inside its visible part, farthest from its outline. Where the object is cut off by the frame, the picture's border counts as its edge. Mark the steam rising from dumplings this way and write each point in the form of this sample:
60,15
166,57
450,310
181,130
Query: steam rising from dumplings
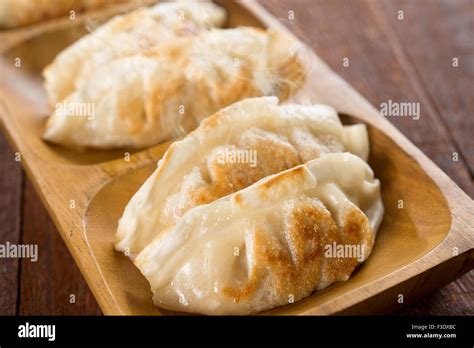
153,75
127,35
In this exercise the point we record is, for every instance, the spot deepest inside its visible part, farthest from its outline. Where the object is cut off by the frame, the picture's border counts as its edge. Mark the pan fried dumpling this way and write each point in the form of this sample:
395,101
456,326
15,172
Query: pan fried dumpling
156,95
231,150
127,35
270,243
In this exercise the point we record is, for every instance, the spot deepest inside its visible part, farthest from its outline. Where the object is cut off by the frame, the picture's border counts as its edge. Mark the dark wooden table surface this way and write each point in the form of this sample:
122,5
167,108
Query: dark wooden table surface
407,59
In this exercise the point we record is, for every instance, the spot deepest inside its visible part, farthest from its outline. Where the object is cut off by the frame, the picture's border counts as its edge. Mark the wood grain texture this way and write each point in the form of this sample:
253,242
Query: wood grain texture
380,69
11,179
457,298
47,285
386,62
431,48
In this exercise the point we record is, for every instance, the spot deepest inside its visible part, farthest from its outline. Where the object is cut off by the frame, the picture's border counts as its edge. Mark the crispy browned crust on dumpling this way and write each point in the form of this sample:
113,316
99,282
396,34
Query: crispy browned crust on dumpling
294,266
270,244
196,97
166,91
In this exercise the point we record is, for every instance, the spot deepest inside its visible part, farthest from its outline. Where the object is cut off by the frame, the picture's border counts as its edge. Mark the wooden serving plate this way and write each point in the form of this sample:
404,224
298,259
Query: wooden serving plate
423,245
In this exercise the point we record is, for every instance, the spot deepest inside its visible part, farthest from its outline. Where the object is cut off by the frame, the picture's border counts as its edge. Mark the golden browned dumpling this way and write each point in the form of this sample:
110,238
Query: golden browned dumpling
143,98
270,244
